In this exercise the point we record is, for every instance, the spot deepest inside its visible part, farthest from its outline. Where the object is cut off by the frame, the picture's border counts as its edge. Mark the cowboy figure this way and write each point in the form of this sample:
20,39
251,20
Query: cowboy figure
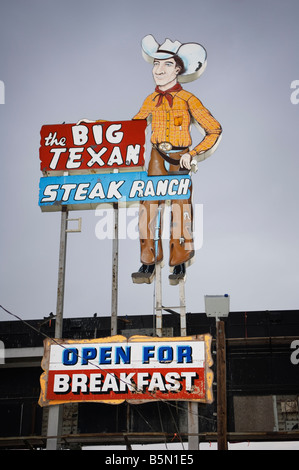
170,110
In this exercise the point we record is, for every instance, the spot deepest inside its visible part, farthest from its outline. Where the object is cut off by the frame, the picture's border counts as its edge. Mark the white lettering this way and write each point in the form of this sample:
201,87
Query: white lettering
74,160
97,191
295,354
79,382
125,381
189,376
173,381
52,140
149,189
2,92
104,227
81,191
142,380
162,187
171,191
50,193
137,186
132,154
110,383
115,157
112,135
98,133
67,189
113,189
61,383
156,382
57,153
96,157
183,186
95,383
2,352
124,461
80,134
133,225
295,94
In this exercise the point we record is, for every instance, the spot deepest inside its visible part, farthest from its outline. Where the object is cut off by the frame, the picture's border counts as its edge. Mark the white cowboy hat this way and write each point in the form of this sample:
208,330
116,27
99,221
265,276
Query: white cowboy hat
194,56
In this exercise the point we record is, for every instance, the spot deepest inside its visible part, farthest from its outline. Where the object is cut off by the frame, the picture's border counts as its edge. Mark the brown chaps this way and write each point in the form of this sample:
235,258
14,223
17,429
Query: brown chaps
181,244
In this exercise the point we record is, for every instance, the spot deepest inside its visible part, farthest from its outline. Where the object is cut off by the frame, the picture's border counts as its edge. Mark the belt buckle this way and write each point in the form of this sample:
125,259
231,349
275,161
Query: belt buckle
165,146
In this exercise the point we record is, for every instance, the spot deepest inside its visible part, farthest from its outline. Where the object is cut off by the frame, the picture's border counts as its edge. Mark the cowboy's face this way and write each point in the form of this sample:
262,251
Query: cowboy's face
165,72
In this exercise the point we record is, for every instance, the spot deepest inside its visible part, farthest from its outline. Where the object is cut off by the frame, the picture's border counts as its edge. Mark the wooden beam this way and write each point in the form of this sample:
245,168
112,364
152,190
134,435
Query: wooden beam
221,387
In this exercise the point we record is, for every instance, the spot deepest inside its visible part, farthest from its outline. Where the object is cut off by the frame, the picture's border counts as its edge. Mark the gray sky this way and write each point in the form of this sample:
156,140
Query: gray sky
65,60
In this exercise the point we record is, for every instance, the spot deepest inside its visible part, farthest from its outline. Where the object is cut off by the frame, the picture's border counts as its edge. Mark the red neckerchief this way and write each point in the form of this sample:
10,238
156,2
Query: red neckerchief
167,94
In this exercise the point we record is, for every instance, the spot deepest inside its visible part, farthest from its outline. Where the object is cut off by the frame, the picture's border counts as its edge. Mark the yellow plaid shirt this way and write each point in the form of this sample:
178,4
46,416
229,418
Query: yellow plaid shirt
172,124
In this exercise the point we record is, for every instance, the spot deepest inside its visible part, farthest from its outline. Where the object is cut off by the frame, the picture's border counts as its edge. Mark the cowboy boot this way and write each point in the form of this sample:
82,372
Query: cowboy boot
145,274
179,273
181,239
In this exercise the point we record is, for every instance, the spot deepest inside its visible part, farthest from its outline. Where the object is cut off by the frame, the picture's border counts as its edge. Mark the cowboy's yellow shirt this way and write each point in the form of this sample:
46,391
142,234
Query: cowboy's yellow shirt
172,124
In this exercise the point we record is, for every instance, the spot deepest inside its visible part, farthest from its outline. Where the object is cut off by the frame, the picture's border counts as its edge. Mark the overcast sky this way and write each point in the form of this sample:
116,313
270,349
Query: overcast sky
65,60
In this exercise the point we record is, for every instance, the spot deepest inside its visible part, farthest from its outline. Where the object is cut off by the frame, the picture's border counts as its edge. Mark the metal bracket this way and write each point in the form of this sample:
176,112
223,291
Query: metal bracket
78,229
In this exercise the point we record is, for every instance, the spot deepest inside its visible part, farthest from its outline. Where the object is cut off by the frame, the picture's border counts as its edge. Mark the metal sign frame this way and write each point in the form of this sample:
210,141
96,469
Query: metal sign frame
137,370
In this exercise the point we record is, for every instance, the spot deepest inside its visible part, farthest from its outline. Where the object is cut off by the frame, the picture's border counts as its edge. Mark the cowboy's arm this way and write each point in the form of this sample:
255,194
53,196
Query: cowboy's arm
209,126
145,109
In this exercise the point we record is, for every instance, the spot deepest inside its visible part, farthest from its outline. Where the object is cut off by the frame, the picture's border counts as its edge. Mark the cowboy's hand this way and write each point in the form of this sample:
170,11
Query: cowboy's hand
185,161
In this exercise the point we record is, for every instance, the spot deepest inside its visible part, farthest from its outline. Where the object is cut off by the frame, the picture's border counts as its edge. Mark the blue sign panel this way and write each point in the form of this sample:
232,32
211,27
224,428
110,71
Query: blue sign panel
87,191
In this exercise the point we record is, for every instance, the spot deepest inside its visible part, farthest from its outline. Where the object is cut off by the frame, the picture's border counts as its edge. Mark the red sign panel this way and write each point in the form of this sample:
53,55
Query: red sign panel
126,384
92,147
115,369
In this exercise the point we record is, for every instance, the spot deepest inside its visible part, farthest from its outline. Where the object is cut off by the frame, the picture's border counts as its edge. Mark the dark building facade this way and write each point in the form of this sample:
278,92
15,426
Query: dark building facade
262,376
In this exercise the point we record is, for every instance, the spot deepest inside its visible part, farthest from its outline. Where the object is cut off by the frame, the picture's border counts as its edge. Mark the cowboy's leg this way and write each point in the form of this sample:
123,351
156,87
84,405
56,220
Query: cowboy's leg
148,231
148,212
181,232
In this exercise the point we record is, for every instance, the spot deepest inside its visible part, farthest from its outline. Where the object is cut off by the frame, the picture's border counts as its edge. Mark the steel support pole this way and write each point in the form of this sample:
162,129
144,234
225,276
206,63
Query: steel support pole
182,308
61,273
55,411
158,276
221,387
193,439
158,300
114,294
